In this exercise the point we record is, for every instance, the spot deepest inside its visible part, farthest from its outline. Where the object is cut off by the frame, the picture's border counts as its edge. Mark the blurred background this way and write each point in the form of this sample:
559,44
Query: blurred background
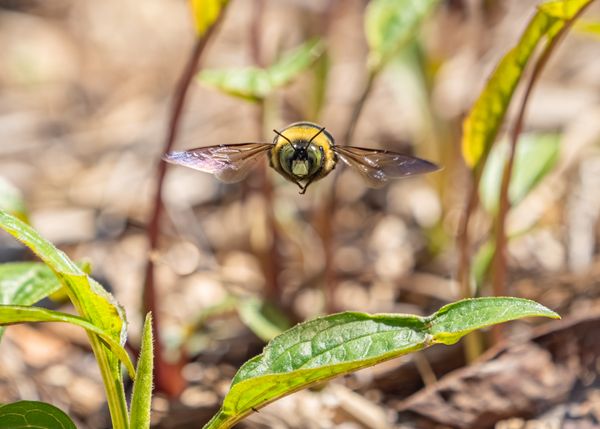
86,91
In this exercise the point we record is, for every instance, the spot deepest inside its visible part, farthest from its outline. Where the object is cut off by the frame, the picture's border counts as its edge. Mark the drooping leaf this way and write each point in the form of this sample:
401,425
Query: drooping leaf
482,261
33,414
206,13
333,345
390,25
141,398
592,28
535,156
254,83
25,283
483,122
13,314
562,9
92,302
11,200
262,319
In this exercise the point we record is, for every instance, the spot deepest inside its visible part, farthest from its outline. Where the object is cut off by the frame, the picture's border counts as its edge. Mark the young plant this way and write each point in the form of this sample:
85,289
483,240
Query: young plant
480,129
99,314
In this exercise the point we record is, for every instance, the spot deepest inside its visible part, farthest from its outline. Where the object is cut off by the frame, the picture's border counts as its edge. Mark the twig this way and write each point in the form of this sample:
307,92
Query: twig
168,378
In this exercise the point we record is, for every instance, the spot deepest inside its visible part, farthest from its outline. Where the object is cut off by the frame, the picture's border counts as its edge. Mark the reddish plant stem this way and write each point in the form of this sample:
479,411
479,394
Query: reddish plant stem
327,212
499,263
464,265
168,377
270,258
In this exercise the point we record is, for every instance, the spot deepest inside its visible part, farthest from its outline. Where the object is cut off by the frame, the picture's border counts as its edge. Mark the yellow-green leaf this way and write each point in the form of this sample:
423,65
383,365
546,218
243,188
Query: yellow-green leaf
11,200
390,25
483,122
592,28
535,156
92,302
563,9
338,344
13,314
141,398
263,319
255,83
206,13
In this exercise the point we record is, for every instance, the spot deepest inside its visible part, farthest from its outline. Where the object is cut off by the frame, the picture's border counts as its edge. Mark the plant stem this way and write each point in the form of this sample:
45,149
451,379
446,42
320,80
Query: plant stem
474,341
270,258
115,394
499,262
358,108
327,212
464,248
167,376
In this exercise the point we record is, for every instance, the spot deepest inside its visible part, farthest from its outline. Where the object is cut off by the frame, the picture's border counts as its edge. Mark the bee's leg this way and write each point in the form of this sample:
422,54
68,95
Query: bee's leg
302,188
306,186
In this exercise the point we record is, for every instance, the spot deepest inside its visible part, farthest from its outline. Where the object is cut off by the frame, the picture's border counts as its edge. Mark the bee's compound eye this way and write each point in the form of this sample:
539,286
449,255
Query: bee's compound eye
286,157
315,158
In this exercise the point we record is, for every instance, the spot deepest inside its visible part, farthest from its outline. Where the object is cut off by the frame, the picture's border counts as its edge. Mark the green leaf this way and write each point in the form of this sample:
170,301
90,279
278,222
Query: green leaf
592,28
206,13
13,314
254,83
563,9
482,262
32,414
535,156
92,302
263,319
11,200
453,321
330,346
25,283
390,25
483,122
141,398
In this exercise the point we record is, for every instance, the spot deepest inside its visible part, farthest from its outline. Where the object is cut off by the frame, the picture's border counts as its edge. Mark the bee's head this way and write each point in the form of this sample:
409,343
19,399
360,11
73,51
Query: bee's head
300,159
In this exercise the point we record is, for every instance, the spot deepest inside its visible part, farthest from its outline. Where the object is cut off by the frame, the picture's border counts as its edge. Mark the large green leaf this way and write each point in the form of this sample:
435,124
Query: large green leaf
141,398
13,314
206,13
33,414
254,83
11,200
390,25
92,302
329,346
535,156
483,122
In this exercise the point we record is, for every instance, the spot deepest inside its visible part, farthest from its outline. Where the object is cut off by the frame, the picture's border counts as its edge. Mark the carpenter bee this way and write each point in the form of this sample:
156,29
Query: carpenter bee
303,153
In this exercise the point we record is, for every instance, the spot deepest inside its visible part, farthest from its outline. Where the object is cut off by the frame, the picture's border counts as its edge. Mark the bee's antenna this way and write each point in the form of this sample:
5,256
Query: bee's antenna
313,137
282,136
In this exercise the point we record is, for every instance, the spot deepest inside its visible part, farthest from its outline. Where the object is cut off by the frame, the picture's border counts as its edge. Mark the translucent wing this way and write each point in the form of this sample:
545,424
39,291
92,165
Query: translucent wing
229,163
378,166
